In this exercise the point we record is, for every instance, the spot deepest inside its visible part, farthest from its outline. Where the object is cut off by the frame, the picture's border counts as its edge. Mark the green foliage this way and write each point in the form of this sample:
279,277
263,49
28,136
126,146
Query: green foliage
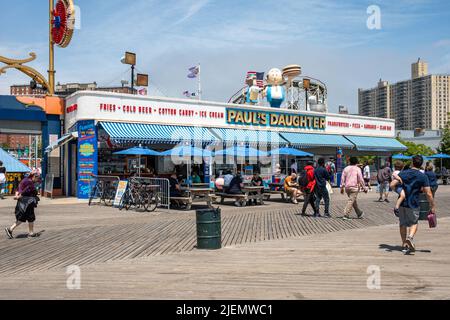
415,149
445,144
369,159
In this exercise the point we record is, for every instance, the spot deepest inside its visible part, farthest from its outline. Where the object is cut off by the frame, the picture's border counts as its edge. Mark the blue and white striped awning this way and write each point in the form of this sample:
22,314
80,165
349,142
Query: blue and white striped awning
251,137
121,132
308,140
376,144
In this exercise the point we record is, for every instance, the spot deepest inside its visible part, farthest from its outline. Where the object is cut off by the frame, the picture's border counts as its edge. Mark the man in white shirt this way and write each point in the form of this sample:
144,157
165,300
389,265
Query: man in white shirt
294,168
366,175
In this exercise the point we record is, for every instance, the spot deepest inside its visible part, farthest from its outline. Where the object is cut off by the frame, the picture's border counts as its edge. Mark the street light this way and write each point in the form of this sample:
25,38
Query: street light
130,59
142,79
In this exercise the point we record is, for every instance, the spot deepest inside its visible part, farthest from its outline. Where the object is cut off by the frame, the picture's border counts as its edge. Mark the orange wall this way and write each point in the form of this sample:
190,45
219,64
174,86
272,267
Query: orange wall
51,105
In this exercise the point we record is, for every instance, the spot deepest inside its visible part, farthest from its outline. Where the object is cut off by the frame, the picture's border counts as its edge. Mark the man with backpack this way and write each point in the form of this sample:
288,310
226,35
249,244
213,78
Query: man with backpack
322,178
307,183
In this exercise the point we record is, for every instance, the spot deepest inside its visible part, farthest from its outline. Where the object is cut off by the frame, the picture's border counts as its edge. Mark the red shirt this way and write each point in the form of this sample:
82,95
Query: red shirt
311,178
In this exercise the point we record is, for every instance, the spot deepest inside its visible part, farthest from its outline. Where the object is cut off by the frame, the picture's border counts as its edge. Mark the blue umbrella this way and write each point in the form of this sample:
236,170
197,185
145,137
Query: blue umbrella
139,151
440,156
286,151
291,152
242,152
401,157
187,152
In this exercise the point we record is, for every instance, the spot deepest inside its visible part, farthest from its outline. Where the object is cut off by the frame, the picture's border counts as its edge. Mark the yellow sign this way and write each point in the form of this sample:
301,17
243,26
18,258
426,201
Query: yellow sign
275,119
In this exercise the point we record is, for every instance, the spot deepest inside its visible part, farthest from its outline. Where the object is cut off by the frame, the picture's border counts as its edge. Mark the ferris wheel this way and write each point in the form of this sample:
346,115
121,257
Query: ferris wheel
307,93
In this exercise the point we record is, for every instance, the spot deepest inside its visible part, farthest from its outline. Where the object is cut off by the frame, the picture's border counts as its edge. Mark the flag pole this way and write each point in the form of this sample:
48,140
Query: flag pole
199,83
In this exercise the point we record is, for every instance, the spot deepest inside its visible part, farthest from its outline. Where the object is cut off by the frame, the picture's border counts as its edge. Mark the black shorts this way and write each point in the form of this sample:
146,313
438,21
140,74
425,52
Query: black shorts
28,216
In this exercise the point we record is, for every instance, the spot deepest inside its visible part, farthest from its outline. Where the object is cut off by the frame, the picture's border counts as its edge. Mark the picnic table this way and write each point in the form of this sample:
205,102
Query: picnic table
248,193
194,195
254,193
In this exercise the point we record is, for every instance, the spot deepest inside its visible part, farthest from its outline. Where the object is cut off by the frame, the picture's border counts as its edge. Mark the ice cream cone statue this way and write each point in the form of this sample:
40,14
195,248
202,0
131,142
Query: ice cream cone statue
290,72
275,92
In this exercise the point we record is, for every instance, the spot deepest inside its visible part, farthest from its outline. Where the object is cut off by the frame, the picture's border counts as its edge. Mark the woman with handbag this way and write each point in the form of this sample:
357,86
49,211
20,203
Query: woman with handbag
27,200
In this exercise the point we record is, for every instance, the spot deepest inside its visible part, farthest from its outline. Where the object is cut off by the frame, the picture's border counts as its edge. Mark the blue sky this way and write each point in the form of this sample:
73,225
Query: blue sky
329,39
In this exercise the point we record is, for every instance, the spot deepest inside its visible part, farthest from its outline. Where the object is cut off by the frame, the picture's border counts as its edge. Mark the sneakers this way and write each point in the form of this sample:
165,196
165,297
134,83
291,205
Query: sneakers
295,201
396,212
237,204
327,215
9,233
386,200
346,218
317,215
33,235
360,215
380,200
410,244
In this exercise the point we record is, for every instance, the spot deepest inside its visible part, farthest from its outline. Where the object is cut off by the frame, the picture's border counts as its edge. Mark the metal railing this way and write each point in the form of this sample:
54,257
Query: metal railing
163,192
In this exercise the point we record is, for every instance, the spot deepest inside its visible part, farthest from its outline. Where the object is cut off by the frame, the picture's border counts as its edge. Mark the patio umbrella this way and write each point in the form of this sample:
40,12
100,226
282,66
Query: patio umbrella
187,152
139,151
286,151
440,156
401,157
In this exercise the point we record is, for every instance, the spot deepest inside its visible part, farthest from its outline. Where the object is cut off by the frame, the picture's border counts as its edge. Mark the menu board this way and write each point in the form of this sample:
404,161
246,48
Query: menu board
87,157
121,188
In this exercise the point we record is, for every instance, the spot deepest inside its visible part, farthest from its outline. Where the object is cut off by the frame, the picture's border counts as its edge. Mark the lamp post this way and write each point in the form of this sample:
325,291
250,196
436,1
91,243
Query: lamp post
141,79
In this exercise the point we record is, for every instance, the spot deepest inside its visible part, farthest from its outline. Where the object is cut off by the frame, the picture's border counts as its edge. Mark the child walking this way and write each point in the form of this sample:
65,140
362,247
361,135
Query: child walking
398,166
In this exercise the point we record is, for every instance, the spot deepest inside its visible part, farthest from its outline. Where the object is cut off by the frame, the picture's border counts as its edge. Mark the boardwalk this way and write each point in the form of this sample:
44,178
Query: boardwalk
130,250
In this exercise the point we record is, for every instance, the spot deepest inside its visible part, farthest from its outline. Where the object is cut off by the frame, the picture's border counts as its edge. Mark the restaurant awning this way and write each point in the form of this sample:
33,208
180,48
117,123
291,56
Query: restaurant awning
253,137
307,140
61,141
121,132
376,144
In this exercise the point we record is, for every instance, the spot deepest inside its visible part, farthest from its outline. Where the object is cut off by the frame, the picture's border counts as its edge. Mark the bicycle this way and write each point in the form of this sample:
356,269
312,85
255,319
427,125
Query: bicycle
105,190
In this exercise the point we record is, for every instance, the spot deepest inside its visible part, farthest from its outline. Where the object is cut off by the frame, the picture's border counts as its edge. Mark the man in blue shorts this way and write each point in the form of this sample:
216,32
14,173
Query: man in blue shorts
414,182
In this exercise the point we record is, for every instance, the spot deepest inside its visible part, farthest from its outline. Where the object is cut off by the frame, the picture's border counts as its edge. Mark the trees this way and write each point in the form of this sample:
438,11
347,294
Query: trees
445,144
414,149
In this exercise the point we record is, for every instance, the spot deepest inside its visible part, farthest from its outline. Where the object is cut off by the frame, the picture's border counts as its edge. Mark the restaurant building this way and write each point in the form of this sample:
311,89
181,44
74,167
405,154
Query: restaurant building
97,124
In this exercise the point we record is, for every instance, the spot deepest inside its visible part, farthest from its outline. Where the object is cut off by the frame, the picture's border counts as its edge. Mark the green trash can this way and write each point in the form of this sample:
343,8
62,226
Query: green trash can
424,206
209,229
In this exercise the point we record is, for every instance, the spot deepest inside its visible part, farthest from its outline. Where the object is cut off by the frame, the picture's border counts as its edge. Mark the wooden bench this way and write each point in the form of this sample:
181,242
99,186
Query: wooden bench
269,193
187,201
241,198
286,197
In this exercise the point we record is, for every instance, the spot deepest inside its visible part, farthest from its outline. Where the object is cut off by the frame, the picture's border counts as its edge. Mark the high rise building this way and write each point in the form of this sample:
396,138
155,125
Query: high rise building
421,102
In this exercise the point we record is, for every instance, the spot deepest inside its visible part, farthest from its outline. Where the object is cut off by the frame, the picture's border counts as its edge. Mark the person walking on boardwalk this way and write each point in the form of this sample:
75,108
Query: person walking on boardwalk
307,182
384,178
366,175
322,177
2,180
27,200
351,182
414,182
